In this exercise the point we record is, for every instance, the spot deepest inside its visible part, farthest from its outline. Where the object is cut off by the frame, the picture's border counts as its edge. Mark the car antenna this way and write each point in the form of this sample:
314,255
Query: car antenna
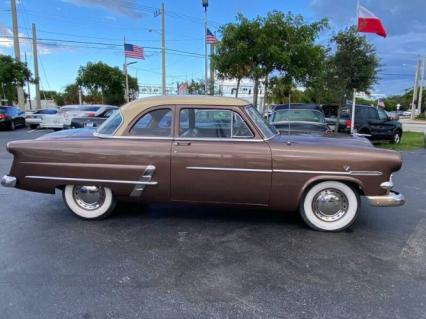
289,115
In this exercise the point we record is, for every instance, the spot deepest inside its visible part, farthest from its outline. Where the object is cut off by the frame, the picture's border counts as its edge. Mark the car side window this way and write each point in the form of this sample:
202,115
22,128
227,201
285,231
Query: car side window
382,115
372,114
240,128
212,123
157,123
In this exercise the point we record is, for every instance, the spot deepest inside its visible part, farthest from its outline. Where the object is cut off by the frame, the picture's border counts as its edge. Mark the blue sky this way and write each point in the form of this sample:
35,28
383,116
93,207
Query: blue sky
109,21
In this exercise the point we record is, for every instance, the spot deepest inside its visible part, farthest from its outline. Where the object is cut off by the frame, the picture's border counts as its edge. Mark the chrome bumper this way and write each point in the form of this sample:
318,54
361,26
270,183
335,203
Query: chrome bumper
389,200
8,181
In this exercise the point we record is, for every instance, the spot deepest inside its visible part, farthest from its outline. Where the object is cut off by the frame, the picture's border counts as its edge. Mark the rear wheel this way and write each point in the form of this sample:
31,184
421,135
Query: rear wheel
89,201
330,206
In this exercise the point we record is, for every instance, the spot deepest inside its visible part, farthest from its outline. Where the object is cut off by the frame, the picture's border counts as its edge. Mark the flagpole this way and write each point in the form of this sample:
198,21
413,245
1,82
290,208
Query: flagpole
357,13
125,72
205,5
353,112
354,92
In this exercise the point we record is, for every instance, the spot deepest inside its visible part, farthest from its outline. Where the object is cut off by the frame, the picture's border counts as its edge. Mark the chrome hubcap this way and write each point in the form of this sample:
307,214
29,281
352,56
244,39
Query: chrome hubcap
396,138
89,197
330,204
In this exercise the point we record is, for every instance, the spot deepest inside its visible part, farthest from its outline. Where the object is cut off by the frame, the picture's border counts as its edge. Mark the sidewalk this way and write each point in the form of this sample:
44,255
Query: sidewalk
413,125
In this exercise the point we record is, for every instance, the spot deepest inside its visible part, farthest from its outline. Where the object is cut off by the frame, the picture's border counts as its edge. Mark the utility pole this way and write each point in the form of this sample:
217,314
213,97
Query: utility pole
205,4
421,76
36,74
416,84
163,50
28,84
21,97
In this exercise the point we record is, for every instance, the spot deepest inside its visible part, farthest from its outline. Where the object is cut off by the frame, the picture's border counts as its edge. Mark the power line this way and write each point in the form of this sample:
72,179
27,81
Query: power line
174,51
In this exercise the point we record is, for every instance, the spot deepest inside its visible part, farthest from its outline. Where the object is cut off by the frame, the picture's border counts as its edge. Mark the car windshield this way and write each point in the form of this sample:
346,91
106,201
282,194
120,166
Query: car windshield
111,124
298,115
267,130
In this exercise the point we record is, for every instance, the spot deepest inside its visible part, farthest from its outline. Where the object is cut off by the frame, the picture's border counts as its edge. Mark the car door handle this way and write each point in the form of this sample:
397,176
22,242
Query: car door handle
179,143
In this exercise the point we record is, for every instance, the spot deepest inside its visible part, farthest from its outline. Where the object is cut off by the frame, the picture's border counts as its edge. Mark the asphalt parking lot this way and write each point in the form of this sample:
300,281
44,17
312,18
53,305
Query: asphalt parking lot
163,261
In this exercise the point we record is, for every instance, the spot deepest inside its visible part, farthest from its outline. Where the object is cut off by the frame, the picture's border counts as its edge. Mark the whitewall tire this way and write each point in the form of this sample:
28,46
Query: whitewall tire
89,202
330,206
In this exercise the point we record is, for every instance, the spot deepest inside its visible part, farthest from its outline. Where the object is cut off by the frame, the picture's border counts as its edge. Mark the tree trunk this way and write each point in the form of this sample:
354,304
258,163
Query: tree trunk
255,91
238,87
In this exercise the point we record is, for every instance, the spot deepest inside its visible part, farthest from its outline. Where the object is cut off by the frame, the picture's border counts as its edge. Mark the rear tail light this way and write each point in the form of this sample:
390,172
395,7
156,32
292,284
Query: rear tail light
348,123
90,114
2,116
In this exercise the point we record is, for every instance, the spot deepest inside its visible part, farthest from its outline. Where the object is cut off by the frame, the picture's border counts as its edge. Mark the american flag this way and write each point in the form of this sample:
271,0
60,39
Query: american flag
133,51
210,38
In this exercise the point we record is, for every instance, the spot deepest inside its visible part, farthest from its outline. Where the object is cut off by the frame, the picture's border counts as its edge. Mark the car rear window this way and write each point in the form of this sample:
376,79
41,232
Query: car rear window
302,115
89,108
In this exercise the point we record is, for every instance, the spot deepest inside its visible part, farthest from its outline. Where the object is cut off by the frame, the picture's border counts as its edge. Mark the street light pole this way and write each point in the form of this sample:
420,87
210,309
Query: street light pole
205,4
163,50
127,78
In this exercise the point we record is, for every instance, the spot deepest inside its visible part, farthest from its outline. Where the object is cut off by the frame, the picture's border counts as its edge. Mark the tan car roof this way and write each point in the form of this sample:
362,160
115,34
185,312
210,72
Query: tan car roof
132,109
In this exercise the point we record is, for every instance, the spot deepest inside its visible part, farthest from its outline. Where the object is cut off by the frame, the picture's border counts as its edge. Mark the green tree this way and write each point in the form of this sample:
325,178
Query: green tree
404,100
278,43
52,95
105,83
353,66
196,87
70,95
232,59
12,73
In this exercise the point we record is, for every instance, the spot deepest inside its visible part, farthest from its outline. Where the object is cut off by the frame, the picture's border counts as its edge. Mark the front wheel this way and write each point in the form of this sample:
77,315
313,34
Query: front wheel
89,201
330,206
396,139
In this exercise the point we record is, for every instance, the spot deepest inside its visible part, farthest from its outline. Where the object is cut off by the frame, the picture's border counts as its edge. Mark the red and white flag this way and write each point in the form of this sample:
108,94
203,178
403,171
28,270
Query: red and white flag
368,22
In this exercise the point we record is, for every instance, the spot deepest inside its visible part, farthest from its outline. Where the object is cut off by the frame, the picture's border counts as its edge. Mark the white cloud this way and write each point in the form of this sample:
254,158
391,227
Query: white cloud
124,7
6,41
405,23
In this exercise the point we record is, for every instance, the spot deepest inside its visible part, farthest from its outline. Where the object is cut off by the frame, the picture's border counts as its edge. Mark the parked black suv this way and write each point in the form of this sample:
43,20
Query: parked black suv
369,120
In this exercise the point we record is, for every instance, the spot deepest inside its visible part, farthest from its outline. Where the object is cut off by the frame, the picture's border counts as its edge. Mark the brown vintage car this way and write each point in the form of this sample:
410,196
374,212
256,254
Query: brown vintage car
205,150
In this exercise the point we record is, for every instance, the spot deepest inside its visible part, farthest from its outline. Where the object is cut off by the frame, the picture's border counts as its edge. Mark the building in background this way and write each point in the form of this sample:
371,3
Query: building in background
229,87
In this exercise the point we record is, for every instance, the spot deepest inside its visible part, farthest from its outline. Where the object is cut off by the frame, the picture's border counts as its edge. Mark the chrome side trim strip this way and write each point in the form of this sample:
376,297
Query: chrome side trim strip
129,137
366,173
236,169
208,139
169,138
229,169
92,180
353,173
